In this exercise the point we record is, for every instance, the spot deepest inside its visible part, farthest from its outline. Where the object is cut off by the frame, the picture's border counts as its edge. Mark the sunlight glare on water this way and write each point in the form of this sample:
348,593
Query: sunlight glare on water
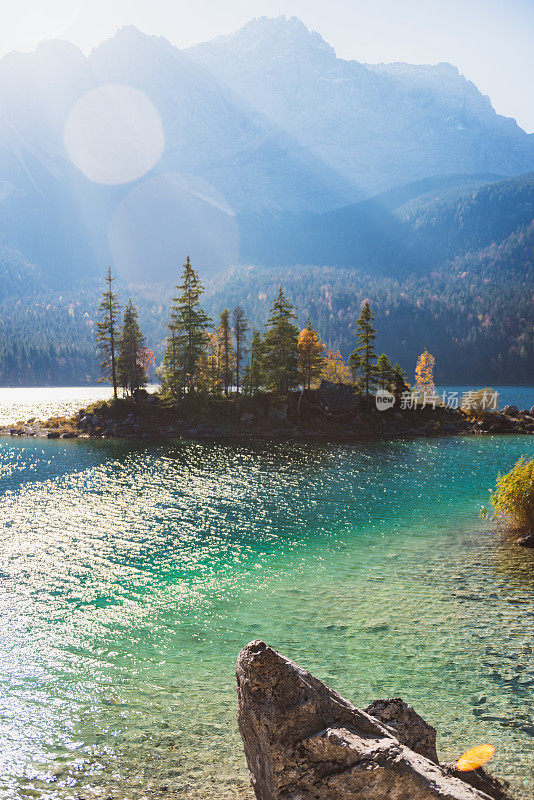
133,574
21,404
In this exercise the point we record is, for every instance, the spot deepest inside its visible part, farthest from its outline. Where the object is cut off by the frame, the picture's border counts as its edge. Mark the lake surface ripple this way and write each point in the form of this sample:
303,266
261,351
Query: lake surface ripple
131,575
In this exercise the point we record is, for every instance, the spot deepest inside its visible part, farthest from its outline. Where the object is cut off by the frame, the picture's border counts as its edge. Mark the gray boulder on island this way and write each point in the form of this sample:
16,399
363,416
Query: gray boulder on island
303,741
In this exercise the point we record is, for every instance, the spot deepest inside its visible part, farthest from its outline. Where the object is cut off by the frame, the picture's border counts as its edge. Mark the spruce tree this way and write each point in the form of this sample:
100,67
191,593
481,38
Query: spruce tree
240,326
384,372
365,350
169,369
106,333
254,378
227,357
399,382
280,360
189,327
310,355
132,346
354,364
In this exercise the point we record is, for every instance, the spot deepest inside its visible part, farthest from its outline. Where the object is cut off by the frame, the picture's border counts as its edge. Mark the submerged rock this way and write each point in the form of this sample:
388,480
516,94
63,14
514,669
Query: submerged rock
303,741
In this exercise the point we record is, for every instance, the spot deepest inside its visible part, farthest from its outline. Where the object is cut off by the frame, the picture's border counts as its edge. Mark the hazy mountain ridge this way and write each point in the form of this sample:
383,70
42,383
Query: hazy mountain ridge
379,125
208,129
269,117
57,218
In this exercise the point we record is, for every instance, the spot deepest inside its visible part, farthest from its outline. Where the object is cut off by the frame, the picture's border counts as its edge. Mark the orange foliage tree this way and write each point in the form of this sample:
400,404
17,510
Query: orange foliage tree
209,366
424,373
145,358
336,369
310,351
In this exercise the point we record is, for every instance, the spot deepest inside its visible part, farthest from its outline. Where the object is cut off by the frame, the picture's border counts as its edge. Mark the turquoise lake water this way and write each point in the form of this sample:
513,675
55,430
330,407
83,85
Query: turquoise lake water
131,575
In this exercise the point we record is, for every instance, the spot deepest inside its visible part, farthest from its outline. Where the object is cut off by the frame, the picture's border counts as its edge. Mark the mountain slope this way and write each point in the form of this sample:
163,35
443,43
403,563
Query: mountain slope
58,219
267,124
377,125
475,315
394,233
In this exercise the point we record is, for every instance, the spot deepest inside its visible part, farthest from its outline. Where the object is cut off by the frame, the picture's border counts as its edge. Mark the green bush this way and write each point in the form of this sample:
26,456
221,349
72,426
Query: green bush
513,499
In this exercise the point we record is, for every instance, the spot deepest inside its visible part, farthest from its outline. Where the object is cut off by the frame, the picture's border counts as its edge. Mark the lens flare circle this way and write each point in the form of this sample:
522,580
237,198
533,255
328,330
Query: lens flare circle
114,134
475,757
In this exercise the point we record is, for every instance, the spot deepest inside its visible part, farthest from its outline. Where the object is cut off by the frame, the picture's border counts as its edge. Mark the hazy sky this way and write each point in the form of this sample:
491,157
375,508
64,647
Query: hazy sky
490,41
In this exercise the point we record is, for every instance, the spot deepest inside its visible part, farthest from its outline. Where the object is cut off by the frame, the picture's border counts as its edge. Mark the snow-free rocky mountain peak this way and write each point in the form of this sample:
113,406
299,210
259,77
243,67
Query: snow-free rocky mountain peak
266,121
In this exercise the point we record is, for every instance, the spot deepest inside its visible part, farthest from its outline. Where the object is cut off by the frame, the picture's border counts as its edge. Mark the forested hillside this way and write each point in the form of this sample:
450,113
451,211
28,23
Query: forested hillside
475,315
415,228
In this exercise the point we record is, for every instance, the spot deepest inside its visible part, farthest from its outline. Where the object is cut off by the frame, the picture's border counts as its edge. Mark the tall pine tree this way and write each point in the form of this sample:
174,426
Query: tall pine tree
227,356
170,376
354,364
240,326
280,360
399,382
365,351
188,327
254,378
384,372
132,348
107,334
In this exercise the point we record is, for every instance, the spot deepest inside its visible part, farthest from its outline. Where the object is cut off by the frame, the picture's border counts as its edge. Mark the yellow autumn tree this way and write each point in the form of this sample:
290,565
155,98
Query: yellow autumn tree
424,373
336,369
310,351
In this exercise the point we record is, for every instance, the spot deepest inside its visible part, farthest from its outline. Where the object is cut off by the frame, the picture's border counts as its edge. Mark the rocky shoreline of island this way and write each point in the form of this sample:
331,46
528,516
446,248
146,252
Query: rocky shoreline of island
330,412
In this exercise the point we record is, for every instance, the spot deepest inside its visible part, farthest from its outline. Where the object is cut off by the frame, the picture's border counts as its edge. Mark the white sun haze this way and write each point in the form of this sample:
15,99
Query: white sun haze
488,40
25,23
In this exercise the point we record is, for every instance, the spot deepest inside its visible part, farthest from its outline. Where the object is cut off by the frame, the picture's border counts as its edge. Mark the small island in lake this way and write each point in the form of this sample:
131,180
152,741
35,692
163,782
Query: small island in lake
331,411
217,382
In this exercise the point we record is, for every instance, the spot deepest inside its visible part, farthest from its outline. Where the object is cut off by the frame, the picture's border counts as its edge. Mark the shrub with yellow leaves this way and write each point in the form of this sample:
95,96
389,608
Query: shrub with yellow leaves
513,498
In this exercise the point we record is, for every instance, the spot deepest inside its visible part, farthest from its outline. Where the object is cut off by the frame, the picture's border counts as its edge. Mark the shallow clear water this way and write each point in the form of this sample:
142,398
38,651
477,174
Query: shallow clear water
131,575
